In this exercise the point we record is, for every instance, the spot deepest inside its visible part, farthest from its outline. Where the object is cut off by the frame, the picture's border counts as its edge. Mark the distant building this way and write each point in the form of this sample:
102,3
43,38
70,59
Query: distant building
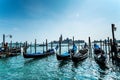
65,41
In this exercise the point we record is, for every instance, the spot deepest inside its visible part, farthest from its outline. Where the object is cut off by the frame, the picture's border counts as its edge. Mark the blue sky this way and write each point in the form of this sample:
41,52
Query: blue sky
41,19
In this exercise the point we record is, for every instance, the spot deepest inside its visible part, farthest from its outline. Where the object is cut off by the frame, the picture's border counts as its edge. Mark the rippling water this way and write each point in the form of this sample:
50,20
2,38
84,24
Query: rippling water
18,68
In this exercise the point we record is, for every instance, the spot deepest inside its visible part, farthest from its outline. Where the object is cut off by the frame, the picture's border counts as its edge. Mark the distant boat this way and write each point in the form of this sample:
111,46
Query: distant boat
39,54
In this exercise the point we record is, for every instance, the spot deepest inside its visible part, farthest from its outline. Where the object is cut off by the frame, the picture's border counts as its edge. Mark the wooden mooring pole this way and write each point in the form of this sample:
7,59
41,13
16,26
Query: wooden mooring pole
35,45
109,52
3,40
31,47
59,47
51,45
68,45
25,47
101,44
60,41
43,47
10,46
106,46
90,49
73,40
114,40
46,45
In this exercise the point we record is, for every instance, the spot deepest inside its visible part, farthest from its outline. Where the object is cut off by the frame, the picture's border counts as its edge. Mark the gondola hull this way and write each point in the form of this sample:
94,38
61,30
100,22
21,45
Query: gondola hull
100,61
64,56
61,57
100,57
8,54
38,55
80,56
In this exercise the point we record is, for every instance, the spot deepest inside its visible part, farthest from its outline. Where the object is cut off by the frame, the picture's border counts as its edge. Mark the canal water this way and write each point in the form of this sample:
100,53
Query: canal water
49,68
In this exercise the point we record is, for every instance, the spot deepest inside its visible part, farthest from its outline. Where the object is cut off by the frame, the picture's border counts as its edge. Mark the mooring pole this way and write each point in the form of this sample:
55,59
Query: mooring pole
113,36
114,42
16,45
3,40
51,45
35,46
43,47
73,40
101,44
59,47
68,45
25,47
20,44
111,51
46,45
10,46
90,51
109,47
60,41
106,46
31,47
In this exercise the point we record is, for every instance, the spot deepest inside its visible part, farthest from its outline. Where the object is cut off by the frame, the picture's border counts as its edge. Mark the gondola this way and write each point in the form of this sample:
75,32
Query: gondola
99,56
117,58
81,55
67,55
38,54
16,50
64,56
118,55
6,54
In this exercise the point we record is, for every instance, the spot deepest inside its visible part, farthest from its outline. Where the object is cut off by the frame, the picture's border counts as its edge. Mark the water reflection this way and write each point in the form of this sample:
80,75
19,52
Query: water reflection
62,63
102,74
27,61
77,64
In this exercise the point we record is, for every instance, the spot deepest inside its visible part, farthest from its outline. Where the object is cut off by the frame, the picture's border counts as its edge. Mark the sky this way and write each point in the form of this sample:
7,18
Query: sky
27,20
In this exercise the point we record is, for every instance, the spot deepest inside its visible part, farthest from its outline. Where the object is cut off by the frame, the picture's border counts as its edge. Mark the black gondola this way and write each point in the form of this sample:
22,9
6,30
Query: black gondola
64,56
6,54
117,58
67,55
81,55
99,55
16,50
39,55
